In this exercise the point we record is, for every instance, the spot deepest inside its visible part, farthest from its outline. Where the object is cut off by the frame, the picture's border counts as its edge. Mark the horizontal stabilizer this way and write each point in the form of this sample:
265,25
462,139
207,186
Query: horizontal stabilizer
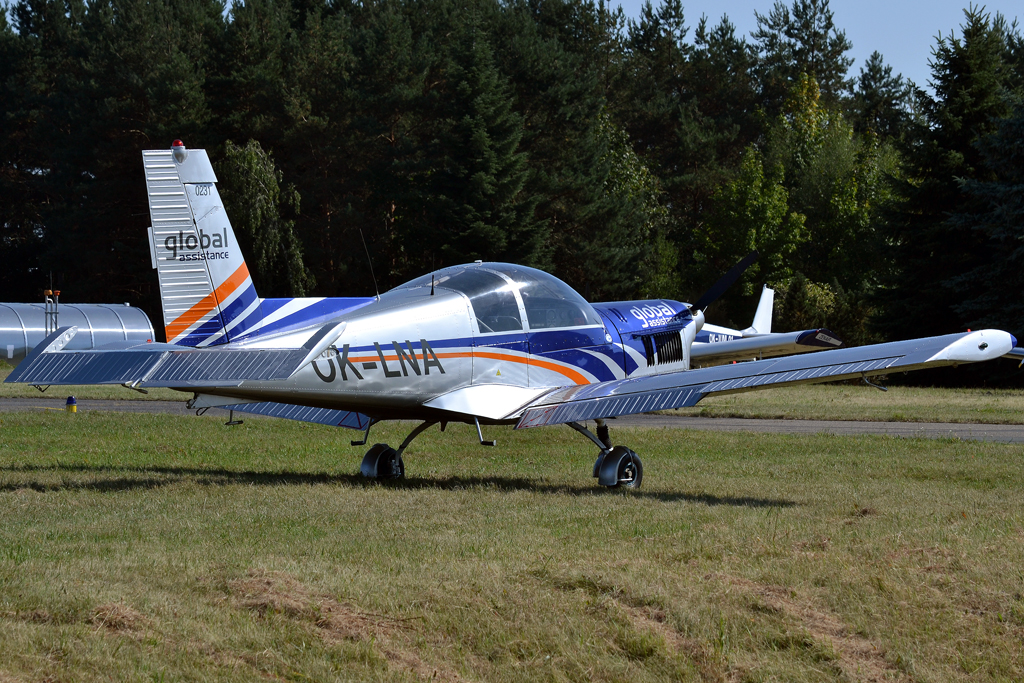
324,416
686,388
155,365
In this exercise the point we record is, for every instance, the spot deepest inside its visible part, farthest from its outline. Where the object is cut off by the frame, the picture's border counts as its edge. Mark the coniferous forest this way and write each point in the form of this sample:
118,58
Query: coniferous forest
630,158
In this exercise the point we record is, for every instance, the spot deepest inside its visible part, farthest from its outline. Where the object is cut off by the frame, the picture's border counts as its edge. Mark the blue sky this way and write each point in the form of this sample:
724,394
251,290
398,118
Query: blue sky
904,31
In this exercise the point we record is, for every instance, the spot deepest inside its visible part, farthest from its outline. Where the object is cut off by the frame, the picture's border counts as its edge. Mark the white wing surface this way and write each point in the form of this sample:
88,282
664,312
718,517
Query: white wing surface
687,388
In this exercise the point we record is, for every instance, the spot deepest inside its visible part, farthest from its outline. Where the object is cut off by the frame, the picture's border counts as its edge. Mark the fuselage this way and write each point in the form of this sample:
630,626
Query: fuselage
510,331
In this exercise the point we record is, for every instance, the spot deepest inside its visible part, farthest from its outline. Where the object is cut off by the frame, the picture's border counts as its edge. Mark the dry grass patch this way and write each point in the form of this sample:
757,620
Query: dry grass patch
119,618
265,592
855,657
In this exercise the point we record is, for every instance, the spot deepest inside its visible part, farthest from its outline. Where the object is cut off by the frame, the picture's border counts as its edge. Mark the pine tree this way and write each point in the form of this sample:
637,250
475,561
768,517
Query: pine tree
250,79
881,102
121,76
571,151
473,198
285,80
21,227
801,40
999,222
929,253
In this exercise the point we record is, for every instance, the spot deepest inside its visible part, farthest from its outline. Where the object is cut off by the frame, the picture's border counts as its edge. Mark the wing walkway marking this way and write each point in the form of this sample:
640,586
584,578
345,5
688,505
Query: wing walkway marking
999,433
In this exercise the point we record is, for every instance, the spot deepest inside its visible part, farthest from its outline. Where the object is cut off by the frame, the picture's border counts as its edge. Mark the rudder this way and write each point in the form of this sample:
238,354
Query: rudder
205,288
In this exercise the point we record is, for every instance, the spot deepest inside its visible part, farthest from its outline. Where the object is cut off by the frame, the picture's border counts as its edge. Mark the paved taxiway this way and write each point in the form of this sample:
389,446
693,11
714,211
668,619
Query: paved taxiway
934,430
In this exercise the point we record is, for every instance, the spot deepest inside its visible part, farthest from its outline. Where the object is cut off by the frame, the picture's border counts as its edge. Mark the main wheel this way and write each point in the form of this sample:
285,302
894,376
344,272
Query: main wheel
630,471
382,462
391,465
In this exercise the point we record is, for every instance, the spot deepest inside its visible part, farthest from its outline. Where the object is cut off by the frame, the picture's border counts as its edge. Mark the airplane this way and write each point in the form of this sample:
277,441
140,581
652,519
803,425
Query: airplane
477,343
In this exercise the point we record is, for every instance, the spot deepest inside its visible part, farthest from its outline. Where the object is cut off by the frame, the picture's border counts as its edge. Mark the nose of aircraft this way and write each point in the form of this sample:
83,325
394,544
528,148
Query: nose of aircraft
698,319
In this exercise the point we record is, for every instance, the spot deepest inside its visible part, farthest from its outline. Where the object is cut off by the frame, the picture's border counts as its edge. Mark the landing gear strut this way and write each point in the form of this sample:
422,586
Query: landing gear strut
615,466
384,462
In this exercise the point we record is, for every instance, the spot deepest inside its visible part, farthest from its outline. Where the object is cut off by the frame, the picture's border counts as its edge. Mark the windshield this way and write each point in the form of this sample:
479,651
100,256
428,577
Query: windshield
548,301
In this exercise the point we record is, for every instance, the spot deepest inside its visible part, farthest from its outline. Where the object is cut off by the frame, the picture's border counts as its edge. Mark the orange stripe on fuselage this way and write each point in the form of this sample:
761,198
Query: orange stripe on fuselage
207,303
575,376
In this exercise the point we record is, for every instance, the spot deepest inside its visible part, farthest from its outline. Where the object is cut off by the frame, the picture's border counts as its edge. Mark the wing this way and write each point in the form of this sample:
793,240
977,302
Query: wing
686,388
165,365
762,346
323,416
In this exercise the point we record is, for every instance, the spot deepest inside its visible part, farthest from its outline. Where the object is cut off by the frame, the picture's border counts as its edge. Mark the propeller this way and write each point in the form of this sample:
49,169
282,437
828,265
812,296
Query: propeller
724,283
696,310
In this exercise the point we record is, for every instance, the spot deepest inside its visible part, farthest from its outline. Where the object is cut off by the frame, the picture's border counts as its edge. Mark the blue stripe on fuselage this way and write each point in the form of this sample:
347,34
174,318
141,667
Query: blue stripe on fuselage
202,333
312,314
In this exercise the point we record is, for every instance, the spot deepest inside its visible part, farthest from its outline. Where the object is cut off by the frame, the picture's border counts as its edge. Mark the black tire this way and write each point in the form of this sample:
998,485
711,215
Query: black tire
630,471
382,462
391,465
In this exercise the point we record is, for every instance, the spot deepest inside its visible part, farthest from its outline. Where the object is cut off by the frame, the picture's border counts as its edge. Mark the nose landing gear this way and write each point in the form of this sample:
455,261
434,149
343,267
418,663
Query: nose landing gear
615,466
620,467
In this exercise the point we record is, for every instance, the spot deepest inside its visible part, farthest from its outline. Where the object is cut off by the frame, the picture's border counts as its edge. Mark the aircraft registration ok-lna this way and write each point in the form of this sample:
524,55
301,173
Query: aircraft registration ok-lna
489,343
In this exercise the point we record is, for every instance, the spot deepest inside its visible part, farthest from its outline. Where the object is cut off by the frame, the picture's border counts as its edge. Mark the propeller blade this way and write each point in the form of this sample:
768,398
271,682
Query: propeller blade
725,282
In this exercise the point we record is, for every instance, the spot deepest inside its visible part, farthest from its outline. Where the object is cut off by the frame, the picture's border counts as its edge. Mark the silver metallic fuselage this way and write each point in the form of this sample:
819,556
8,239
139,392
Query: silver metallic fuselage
424,353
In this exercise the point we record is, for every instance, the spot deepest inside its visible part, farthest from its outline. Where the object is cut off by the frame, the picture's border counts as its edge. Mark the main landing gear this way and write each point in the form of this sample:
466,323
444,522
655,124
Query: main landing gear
384,462
615,466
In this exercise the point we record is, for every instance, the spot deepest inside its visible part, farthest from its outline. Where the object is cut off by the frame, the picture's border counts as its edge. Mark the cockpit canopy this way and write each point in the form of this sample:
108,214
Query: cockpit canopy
492,287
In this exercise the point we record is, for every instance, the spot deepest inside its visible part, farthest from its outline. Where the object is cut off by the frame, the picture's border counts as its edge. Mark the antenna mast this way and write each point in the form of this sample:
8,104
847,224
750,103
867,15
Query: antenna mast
370,262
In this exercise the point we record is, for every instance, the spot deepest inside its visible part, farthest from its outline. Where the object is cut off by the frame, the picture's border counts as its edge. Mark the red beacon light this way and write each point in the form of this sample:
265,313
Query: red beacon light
179,151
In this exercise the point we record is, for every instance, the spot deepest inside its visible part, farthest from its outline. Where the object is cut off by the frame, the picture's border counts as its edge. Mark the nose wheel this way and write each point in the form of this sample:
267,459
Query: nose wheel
619,467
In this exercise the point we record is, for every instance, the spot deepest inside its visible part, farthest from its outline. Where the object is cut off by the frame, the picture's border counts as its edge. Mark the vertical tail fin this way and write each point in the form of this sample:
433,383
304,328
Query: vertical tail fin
763,315
205,288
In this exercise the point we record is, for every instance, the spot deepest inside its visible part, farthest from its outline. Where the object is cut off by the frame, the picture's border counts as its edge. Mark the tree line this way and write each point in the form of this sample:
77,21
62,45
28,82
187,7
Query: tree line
632,158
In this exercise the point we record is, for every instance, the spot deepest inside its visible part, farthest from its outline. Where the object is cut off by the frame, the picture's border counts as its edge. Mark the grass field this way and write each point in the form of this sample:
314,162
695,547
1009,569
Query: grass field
149,547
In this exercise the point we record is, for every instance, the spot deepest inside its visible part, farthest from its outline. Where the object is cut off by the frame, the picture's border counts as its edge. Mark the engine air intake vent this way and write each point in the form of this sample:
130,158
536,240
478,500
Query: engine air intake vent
667,345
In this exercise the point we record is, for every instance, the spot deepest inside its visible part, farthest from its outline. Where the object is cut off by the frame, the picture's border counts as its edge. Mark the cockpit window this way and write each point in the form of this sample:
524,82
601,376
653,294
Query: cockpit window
550,302
494,304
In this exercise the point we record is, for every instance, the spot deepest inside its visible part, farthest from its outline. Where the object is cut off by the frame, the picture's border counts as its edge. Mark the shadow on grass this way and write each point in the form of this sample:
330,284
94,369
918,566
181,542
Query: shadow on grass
131,478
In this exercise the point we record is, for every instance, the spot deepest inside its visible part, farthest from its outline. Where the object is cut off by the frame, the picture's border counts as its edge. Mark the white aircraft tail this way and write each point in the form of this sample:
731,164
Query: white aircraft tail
763,315
205,288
